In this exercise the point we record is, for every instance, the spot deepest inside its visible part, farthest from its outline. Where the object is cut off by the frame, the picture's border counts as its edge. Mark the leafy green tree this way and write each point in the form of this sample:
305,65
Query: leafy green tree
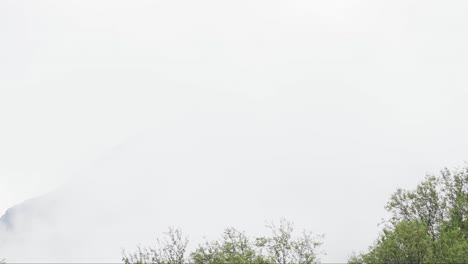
234,247
455,191
356,258
451,246
408,242
425,204
284,248
170,250
428,224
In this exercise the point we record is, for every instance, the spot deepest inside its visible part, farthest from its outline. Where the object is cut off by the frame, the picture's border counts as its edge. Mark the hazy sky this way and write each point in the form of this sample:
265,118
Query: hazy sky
337,103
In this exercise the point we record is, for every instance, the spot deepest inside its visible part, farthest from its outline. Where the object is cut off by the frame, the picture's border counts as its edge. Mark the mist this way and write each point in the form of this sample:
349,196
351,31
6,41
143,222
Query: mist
125,118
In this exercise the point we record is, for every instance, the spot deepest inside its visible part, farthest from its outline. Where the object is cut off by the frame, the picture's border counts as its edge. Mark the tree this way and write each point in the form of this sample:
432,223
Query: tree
451,246
408,242
284,248
234,247
170,250
425,204
281,247
428,224
455,190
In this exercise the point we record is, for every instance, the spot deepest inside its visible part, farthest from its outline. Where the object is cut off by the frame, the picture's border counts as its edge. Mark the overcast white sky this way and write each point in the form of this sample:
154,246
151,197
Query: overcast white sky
343,101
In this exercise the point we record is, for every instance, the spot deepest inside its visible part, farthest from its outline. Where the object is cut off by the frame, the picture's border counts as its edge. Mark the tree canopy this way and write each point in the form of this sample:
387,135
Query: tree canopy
282,246
427,224
169,250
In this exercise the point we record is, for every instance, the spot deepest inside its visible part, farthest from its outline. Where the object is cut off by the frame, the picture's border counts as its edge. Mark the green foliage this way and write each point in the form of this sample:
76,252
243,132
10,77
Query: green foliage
170,250
234,247
451,246
409,242
356,259
428,224
283,248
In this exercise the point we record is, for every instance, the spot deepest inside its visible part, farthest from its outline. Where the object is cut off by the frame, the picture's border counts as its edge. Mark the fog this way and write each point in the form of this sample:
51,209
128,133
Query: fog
126,117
